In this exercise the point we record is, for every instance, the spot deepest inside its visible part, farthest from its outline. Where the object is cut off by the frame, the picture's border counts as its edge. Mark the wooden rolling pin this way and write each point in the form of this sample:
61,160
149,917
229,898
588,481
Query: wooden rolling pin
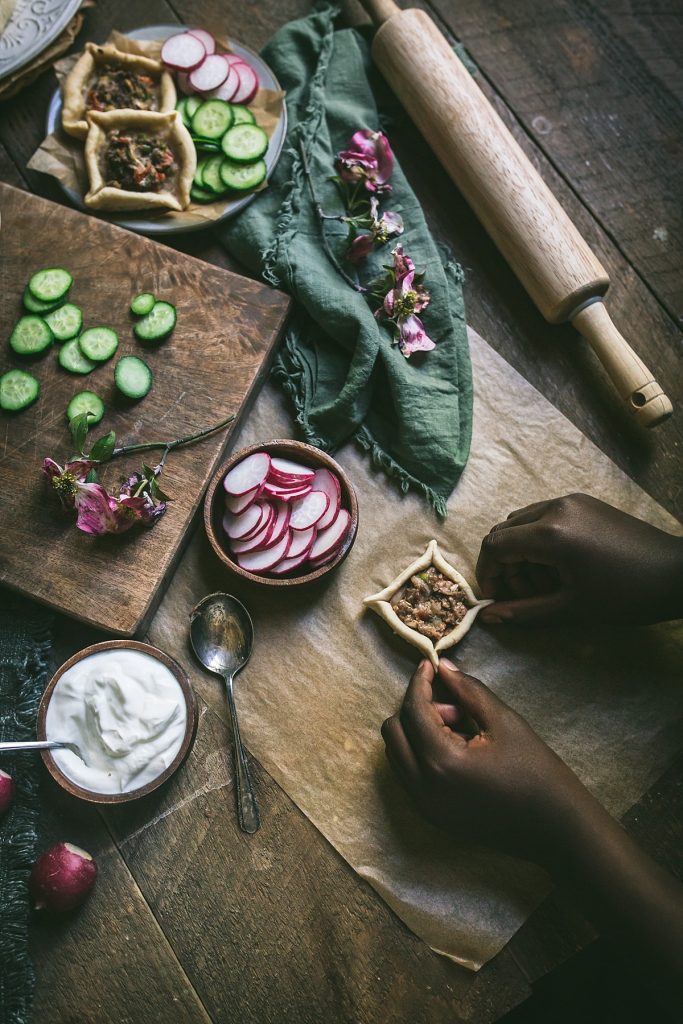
552,260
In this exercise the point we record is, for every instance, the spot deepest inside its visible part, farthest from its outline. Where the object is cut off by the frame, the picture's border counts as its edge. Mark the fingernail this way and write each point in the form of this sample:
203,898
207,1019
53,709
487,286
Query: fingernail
423,664
449,664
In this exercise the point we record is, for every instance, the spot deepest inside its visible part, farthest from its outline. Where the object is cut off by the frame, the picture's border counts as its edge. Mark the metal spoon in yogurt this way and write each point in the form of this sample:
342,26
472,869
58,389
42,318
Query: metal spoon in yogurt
7,745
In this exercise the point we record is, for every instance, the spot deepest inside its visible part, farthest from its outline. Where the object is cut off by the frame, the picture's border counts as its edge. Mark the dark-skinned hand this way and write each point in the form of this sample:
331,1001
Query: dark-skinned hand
577,559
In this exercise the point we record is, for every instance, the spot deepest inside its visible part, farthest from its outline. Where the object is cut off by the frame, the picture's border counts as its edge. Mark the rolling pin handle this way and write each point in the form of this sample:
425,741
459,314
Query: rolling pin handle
380,10
631,377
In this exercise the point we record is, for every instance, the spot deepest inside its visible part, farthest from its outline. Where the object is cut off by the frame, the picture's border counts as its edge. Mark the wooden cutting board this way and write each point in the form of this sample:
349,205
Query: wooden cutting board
211,365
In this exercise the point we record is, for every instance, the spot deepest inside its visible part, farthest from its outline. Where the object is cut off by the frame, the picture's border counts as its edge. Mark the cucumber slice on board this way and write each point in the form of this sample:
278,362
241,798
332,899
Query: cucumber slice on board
36,306
202,195
211,175
72,359
133,377
30,336
212,119
142,304
86,402
245,143
242,115
50,284
99,343
158,324
18,389
243,177
65,322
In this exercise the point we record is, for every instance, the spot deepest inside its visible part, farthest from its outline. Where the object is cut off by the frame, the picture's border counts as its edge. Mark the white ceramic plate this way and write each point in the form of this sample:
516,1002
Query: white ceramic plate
156,226
33,26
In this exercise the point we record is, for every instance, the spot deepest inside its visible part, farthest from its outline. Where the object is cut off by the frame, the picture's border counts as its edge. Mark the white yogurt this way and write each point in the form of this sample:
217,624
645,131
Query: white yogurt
127,713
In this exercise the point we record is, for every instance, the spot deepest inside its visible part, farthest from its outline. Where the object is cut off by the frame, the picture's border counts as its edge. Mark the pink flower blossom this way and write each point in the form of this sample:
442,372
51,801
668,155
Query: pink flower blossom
402,302
368,159
412,336
98,511
383,227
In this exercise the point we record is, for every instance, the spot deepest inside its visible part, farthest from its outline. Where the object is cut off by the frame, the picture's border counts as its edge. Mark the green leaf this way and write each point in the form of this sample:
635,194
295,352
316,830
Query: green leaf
102,449
79,431
91,478
157,492
147,471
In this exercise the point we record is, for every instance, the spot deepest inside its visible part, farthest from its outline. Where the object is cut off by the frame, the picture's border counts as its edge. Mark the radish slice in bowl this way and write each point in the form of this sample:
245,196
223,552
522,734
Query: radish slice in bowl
247,474
333,537
327,482
307,511
288,472
239,527
238,503
263,561
204,37
210,74
183,51
301,542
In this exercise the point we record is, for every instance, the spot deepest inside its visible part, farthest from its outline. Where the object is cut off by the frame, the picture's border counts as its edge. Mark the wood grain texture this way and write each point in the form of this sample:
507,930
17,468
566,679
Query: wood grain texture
208,369
595,85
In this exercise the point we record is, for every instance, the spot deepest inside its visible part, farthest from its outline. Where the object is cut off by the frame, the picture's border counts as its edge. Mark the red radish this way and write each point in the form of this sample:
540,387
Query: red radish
247,474
267,516
302,541
210,74
241,502
316,563
286,470
204,37
287,564
183,52
248,84
62,877
331,538
262,561
327,483
227,90
233,58
6,792
238,527
307,511
284,493
257,542
281,523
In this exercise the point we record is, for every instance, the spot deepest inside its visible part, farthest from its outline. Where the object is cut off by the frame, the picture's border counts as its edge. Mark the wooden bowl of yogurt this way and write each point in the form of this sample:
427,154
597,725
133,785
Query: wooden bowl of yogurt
132,713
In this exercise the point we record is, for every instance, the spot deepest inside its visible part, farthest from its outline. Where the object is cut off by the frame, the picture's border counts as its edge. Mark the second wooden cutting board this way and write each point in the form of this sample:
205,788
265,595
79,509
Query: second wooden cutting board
210,367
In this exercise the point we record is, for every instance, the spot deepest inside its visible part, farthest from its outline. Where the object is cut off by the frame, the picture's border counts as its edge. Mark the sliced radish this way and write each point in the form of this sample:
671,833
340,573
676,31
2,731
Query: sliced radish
239,527
307,511
233,58
281,521
284,493
267,517
302,541
248,83
288,564
227,90
331,538
241,502
183,52
260,540
263,561
328,483
204,37
210,74
247,474
283,468
316,563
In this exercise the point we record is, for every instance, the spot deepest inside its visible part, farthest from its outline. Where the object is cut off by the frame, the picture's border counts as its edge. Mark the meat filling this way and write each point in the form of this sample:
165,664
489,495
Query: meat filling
137,163
431,604
119,89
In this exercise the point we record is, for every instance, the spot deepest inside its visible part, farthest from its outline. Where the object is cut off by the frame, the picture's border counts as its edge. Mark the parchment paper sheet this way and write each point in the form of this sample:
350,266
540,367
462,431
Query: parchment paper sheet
323,675
61,156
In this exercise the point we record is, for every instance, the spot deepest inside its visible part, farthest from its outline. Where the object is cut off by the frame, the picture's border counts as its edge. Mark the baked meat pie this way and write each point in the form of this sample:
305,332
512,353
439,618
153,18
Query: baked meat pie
104,78
138,160
429,604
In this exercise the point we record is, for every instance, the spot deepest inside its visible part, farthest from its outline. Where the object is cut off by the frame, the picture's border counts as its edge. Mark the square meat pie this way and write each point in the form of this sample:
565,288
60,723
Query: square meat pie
429,604
138,160
104,78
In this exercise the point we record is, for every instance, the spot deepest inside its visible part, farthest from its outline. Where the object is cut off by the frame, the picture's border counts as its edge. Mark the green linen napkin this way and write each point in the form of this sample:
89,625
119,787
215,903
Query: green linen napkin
338,364
24,647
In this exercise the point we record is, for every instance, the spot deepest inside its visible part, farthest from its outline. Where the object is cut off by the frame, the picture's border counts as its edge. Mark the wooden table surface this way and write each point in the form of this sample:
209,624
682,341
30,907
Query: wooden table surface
196,924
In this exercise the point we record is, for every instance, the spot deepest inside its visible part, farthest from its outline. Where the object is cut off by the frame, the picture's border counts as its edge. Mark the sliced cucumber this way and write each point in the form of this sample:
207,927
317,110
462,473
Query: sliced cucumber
31,336
142,304
211,174
243,177
206,145
198,179
133,377
192,104
50,284
99,343
202,195
181,107
86,402
35,306
212,119
158,324
244,143
72,359
242,115
17,390
65,322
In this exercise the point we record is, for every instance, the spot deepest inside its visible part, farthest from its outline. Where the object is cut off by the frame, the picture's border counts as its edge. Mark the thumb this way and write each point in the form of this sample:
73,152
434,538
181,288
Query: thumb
539,608
471,694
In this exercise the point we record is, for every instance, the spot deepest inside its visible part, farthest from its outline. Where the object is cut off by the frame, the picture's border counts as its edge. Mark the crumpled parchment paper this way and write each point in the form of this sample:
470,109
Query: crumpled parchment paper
324,674
61,156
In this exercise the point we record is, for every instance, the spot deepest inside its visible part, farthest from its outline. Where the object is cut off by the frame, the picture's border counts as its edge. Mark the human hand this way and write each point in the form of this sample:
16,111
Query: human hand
578,559
475,768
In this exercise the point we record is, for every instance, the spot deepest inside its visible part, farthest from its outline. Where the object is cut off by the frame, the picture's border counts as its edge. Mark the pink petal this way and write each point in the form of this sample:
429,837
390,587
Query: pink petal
97,511
412,337
360,247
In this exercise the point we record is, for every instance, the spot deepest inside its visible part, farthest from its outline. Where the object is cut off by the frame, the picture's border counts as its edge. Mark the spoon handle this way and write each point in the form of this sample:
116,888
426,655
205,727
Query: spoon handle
29,745
247,808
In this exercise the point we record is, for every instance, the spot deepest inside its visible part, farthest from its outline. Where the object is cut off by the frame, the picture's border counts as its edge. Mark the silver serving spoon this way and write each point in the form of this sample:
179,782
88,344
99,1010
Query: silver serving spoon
7,745
222,636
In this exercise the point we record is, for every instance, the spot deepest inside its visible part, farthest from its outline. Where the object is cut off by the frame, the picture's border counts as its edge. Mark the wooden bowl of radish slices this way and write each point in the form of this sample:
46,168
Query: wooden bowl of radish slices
281,513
